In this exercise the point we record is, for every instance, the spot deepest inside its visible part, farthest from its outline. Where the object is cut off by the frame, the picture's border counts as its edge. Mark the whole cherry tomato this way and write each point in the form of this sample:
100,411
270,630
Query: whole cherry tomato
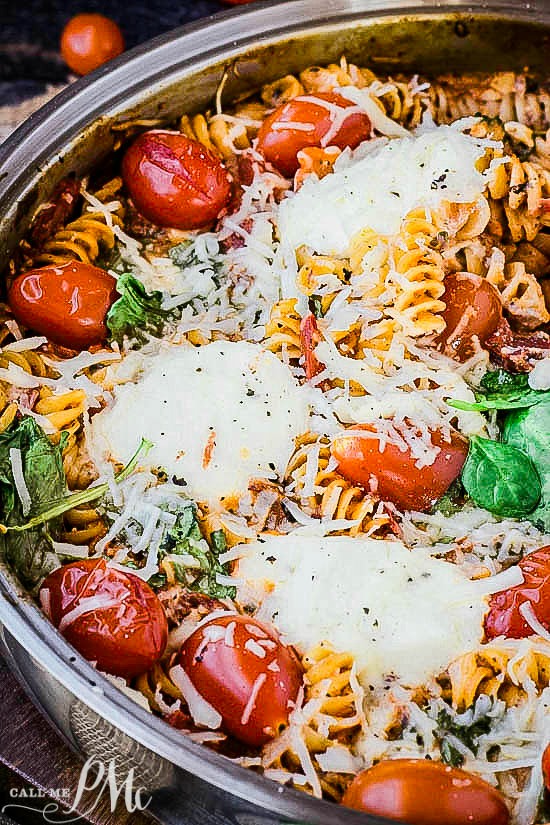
311,120
89,40
174,181
111,617
246,673
504,617
422,792
473,307
393,473
67,303
546,767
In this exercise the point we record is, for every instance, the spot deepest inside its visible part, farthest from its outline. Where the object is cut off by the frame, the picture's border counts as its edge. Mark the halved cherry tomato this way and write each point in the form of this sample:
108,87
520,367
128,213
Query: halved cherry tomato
546,767
504,617
393,474
246,673
311,120
89,40
67,303
422,792
174,181
111,617
309,338
473,307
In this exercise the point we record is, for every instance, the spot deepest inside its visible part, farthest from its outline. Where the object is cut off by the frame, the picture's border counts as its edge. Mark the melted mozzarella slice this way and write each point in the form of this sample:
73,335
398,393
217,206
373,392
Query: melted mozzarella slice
379,189
401,613
218,415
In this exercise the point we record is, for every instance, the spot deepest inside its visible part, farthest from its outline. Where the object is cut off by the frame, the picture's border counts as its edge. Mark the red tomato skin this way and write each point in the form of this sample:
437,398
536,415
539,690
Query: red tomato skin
504,618
422,792
67,303
280,146
397,478
473,308
310,337
546,768
89,40
225,675
124,639
174,181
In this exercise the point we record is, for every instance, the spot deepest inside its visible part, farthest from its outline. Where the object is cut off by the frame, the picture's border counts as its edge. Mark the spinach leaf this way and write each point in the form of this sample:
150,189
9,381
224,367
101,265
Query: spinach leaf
29,553
137,314
55,507
529,431
501,390
468,734
501,478
185,537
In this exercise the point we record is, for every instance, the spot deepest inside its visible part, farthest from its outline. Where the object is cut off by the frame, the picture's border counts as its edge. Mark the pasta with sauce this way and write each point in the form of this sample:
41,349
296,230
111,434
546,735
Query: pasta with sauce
294,429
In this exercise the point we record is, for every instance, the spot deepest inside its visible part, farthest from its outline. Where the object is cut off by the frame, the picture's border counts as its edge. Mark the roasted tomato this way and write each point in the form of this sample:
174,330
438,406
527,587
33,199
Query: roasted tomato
311,120
89,40
174,181
67,303
421,792
472,308
505,617
392,473
246,673
111,617
546,767
309,338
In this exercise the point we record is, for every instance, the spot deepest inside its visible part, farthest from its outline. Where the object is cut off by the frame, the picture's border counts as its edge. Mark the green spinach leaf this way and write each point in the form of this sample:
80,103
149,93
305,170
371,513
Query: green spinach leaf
185,537
55,507
29,553
501,390
467,734
501,478
529,431
138,314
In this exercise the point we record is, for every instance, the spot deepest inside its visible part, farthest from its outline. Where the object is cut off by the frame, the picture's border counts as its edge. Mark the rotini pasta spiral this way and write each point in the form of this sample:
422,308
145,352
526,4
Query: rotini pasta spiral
501,672
88,236
282,331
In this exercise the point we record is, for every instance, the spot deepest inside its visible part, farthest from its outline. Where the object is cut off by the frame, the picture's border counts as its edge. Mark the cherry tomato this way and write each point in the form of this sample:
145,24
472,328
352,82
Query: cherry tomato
473,307
504,617
174,181
246,673
311,121
67,303
90,40
393,474
111,617
546,767
422,792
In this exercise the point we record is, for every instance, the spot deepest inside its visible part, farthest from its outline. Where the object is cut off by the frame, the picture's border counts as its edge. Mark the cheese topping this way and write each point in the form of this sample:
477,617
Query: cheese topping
378,189
401,613
218,415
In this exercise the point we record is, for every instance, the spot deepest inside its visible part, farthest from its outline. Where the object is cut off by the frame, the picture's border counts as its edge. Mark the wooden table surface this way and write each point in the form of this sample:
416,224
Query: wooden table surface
32,756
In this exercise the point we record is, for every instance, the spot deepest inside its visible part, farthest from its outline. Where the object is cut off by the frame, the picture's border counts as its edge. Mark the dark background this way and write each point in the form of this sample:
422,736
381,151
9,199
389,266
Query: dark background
30,32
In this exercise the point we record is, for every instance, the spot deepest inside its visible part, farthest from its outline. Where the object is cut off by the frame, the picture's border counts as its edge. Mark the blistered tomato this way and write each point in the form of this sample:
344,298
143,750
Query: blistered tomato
472,308
393,473
241,668
422,792
505,616
67,303
174,181
111,617
311,120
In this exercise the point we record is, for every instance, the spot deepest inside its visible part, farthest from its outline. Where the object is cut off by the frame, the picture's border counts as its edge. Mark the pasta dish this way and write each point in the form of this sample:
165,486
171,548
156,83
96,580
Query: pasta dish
275,434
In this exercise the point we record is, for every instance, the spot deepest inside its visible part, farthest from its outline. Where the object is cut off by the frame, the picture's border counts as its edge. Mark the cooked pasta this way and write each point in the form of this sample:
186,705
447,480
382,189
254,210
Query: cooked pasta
307,436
